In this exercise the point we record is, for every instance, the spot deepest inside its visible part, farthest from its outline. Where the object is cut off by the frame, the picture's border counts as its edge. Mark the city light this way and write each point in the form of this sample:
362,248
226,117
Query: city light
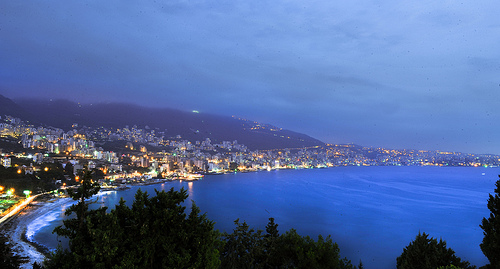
184,157
10,191
27,193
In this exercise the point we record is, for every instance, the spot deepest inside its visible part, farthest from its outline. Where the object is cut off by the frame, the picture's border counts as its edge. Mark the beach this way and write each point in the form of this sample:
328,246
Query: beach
17,230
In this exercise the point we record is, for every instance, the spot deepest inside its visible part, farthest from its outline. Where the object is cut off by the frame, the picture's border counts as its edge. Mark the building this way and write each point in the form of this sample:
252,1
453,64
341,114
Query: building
6,162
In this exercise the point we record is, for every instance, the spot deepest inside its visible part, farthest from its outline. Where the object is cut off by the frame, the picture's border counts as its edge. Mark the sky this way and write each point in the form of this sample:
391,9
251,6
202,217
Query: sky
395,74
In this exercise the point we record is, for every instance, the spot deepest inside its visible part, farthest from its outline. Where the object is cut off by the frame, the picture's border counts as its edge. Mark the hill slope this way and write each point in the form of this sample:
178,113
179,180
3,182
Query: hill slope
9,107
189,125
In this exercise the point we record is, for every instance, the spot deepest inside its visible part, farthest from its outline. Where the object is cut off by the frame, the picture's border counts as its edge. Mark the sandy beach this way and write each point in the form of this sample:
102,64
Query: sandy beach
15,230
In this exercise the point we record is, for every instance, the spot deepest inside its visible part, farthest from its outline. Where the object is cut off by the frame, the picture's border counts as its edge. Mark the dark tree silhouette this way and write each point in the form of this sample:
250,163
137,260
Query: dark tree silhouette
8,259
428,253
154,233
249,248
491,226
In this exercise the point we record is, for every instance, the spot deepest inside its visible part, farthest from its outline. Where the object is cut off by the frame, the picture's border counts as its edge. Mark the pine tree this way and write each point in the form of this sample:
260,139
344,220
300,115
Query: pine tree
428,253
491,226
155,232
7,258
249,248
78,229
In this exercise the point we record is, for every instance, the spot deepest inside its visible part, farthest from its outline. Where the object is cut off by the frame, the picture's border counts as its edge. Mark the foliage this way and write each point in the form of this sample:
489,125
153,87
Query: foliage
154,233
233,166
243,248
69,170
491,230
77,230
424,252
51,171
9,178
97,174
249,248
7,258
451,266
157,233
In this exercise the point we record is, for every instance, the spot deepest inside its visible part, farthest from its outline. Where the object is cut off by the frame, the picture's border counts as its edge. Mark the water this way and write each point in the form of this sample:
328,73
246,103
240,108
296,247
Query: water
371,212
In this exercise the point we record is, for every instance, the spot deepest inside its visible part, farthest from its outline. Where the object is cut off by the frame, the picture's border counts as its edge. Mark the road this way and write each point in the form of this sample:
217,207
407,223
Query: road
17,208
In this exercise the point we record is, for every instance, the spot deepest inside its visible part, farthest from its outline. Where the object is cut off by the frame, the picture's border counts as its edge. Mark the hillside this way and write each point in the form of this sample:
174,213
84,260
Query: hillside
189,125
9,107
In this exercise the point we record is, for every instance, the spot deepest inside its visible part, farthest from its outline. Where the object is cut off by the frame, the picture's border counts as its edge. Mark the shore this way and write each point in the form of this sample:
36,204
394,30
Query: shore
15,230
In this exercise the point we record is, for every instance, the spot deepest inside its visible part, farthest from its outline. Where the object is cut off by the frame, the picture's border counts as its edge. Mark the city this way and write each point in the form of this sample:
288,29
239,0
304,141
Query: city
133,155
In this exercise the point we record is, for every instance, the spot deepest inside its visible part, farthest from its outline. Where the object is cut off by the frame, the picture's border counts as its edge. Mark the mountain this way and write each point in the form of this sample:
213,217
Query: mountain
191,126
9,107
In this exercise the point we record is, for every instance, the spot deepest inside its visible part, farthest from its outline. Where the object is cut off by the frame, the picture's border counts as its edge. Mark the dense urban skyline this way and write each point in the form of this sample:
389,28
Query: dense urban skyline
397,75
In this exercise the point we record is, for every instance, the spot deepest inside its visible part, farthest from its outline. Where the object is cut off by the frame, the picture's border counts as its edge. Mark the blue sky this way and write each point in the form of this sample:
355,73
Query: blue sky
397,74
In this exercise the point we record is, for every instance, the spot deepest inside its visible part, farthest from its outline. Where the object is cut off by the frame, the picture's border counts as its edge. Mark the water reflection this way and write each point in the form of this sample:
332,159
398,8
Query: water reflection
190,189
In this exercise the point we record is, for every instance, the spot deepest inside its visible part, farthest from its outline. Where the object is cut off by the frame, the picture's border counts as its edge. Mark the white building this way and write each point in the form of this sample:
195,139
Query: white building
6,162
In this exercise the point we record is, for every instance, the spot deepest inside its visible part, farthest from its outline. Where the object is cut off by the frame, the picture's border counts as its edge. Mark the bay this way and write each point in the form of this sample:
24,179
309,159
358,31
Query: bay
371,212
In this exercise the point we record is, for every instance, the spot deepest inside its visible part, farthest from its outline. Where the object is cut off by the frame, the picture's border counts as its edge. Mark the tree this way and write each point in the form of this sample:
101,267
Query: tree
154,233
51,171
424,252
233,166
249,248
297,251
491,230
272,229
449,267
97,174
84,191
69,170
7,258
77,230
243,248
157,233
271,239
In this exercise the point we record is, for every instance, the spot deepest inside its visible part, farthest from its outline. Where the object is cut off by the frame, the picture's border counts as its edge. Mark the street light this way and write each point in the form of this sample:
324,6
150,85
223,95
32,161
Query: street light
11,191
27,193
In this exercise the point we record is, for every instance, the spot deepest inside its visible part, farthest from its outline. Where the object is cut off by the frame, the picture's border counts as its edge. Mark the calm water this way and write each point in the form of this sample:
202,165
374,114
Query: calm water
371,212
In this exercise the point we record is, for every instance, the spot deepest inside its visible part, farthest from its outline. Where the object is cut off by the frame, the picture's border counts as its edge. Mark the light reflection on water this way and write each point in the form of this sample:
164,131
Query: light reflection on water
371,212
190,190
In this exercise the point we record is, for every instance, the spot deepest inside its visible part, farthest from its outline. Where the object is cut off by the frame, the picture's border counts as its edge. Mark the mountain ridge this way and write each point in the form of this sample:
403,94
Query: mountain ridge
191,126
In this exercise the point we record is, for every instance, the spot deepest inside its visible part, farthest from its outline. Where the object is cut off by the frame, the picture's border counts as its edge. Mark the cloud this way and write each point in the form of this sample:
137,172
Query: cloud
371,72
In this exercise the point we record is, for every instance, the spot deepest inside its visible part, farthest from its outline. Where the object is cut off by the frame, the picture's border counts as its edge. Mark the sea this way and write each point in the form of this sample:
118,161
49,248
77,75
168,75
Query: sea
372,213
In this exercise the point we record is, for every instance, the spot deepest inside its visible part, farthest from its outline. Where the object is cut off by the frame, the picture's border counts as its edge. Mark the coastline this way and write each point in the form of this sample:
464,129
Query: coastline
16,230
471,178
20,228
